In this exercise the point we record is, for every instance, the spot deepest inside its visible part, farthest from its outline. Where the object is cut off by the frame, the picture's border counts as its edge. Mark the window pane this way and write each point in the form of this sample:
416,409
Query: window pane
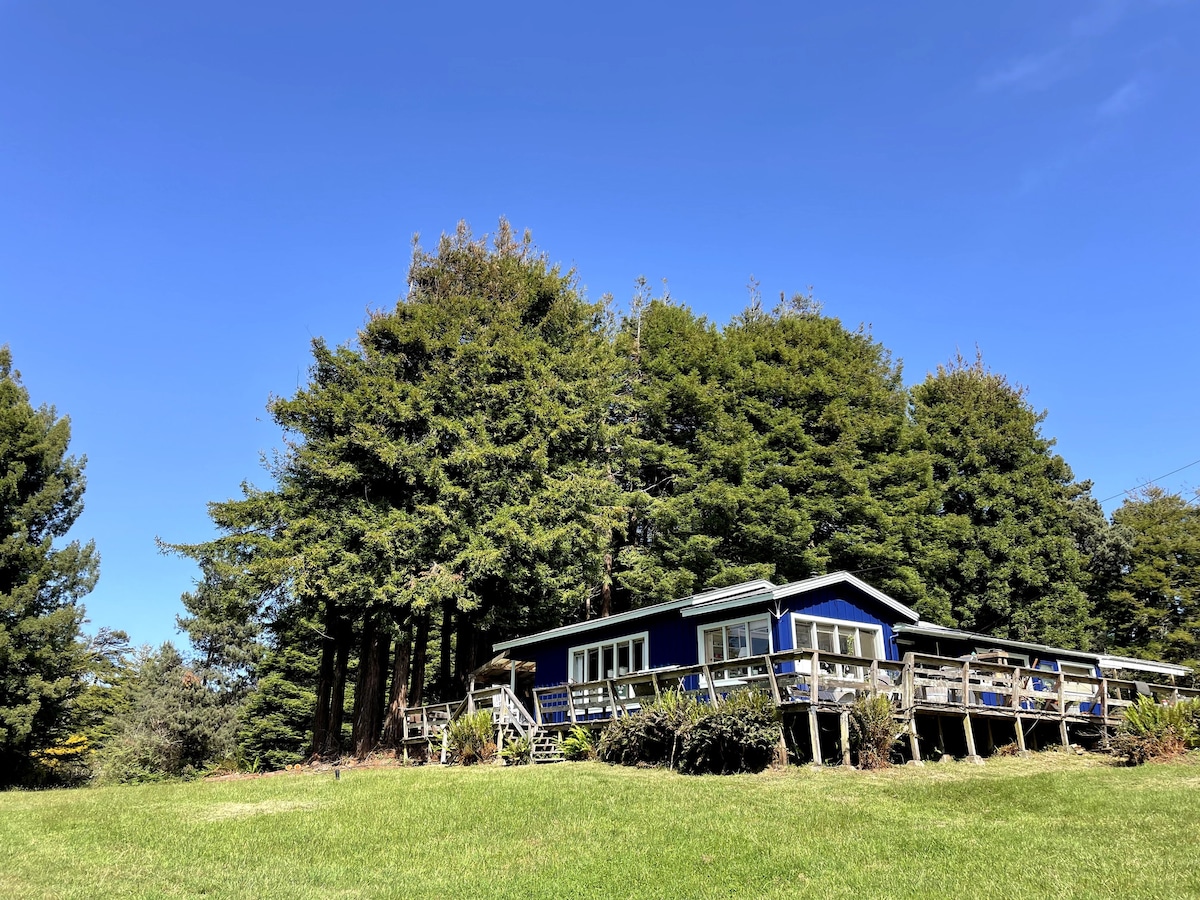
608,661
736,641
846,641
639,655
714,645
593,665
825,638
804,636
760,637
623,658
577,670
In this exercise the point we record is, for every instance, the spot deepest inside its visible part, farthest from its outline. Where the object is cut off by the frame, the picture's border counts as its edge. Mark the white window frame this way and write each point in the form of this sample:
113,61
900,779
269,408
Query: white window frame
643,636
824,620
725,664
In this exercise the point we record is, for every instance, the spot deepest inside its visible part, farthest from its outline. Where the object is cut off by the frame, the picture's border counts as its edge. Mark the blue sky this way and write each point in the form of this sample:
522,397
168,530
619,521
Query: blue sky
191,192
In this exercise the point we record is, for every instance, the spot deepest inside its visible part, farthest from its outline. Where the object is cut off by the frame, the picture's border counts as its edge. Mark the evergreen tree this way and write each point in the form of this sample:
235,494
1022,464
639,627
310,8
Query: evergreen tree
999,552
1153,609
42,656
774,449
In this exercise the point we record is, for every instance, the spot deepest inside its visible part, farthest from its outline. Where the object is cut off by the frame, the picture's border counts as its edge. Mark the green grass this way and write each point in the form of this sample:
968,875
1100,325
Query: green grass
1052,826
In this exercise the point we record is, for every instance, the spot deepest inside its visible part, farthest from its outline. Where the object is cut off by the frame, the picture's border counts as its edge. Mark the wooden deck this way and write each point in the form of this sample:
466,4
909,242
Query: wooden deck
925,691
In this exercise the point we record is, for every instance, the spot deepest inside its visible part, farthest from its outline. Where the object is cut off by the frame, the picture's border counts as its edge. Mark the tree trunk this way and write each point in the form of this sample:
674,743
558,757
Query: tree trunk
465,656
393,726
416,694
606,587
368,690
337,703
321,711
447,646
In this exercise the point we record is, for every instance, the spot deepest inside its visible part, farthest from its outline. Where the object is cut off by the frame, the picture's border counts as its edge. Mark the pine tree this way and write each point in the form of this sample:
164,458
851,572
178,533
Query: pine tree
999,551
42,656
1153,609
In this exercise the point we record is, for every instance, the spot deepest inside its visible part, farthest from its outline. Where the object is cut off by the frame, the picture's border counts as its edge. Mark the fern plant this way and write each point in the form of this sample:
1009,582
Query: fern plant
1150,730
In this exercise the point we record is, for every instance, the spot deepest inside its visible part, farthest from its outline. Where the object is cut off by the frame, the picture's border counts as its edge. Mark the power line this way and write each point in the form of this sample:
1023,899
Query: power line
1151,481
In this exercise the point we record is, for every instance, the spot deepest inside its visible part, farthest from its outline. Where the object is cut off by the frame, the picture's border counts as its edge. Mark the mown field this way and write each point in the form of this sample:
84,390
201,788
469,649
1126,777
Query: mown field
1052,826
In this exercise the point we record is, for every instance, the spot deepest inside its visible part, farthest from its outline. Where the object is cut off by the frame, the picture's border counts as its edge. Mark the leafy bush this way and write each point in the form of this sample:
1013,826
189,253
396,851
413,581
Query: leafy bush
517,752
740,735
651,735
676,731
579,743
470,738
1151,731
873,731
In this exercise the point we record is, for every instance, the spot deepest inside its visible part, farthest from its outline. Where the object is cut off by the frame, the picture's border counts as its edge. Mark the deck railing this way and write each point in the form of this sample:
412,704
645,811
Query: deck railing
919,683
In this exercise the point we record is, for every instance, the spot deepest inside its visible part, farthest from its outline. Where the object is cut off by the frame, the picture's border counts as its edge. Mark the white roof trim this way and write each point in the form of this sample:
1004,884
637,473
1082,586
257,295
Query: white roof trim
1142,665
990,639
632,615
734,603
820,581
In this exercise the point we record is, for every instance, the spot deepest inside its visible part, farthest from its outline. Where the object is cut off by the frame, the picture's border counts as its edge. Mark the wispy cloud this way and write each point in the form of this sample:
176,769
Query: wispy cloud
1027,73
1101,18
1122,100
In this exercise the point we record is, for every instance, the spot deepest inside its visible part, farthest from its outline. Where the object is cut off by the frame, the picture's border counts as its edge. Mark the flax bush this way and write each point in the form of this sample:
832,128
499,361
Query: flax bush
740,735
470,738
873,731
651,735
1152,731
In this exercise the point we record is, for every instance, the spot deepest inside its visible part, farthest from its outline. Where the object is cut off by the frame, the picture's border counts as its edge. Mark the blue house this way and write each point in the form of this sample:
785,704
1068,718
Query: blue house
836,613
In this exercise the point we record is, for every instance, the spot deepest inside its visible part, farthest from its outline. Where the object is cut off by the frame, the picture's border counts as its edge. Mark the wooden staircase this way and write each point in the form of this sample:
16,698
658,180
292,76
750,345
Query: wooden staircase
544,748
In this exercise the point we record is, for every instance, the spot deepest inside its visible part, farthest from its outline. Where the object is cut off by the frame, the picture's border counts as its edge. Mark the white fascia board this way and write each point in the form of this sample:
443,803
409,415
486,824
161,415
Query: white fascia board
732,603
592,624
820,581
1143,665
933,630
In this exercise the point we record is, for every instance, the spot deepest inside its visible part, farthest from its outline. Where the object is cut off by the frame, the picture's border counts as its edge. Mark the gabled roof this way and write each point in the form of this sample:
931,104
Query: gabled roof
737,595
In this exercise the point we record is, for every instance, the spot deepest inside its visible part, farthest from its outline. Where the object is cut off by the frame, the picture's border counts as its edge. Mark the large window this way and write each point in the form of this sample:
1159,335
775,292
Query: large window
736,639
840,637
610,659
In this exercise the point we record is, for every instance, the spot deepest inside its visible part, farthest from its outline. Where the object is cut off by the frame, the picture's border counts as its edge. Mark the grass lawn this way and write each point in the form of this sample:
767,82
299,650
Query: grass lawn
1055,825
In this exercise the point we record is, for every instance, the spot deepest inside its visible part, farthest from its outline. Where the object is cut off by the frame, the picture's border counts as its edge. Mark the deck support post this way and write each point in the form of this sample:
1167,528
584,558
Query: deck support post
712,688
844,736
972,755
814,736
1020,736
445,743
914,740
571,705
1064,738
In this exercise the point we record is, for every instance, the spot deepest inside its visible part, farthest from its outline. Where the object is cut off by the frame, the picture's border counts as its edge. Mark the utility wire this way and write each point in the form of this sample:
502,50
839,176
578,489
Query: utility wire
1151,481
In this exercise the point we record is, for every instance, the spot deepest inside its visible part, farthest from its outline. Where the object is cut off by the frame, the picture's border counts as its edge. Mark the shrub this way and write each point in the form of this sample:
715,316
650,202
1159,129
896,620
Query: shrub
873,731
470,738
578,744
740,735
651,735
517,752
1151,731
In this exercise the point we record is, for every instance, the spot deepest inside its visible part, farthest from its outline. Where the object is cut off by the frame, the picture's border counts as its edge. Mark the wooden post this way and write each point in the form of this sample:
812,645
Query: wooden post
571,704
775,695
612,698
537,707
844,734
914,740
1020,736
712,688
654,681
972,755
814,684
1062,710
814,736
1104,711
445,743
908,688
1016,689
966,687
512,675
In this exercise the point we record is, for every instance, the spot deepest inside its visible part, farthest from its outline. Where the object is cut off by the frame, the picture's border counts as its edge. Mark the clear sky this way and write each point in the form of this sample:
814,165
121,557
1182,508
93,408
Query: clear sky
190,192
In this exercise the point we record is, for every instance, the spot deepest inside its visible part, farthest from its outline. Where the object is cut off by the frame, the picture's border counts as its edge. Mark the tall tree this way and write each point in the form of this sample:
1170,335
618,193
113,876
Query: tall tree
42,657
775,448
1153,609
999,552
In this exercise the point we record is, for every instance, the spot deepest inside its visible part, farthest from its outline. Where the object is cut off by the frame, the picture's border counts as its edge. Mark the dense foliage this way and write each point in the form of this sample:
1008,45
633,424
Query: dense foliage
43,658
1150,730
